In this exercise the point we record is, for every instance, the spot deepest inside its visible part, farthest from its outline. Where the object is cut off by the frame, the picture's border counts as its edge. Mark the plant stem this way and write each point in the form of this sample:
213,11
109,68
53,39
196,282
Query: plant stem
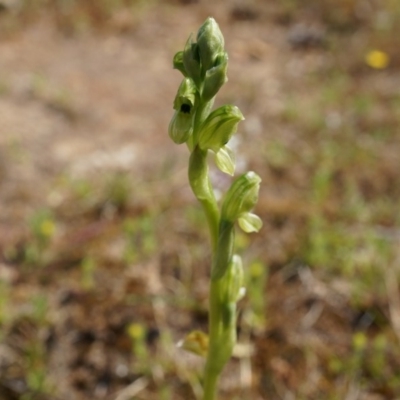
211,376
201,114
204,66
201,186
198,173
210,385
208,202
212,214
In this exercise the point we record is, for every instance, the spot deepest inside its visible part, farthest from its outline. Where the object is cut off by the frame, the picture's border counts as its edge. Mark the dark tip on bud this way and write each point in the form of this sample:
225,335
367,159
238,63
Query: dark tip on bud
185,108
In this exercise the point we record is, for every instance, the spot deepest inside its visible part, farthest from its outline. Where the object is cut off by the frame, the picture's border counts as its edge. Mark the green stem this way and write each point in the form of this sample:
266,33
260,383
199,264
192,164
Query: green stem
202,188
211,375
210,385
202,113
212,214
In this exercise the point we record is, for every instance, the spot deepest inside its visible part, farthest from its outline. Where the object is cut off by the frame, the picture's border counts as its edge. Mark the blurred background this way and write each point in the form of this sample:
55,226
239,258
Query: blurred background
104,256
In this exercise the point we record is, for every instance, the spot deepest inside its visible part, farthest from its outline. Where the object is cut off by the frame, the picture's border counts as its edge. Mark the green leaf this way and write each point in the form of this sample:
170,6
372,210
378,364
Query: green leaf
250,222
225,160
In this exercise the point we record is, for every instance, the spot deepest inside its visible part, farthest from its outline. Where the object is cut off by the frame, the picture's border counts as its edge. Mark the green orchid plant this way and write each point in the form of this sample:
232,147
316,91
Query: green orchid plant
203,64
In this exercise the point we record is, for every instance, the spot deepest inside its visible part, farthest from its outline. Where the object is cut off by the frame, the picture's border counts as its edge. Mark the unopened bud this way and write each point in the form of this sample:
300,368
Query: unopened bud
211,42
178,63
191,60
215,77
219,127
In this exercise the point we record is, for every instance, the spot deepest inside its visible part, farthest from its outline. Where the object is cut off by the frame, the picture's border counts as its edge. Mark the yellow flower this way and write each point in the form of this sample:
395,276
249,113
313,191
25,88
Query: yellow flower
136,331
47,228
377,59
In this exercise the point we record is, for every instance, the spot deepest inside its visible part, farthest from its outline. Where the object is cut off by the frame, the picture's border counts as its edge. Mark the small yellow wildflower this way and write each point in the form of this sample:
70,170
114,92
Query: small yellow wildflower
377,59
47,228
257,269
136,331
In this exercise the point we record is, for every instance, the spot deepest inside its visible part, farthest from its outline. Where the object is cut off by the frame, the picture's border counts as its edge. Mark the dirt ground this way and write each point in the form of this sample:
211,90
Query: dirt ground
104,256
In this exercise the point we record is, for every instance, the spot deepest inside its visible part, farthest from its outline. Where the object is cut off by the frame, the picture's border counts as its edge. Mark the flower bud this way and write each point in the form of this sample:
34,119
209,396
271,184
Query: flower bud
178,63
210,42
181,127
191,60
185,98
215,77
218,127
241,197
